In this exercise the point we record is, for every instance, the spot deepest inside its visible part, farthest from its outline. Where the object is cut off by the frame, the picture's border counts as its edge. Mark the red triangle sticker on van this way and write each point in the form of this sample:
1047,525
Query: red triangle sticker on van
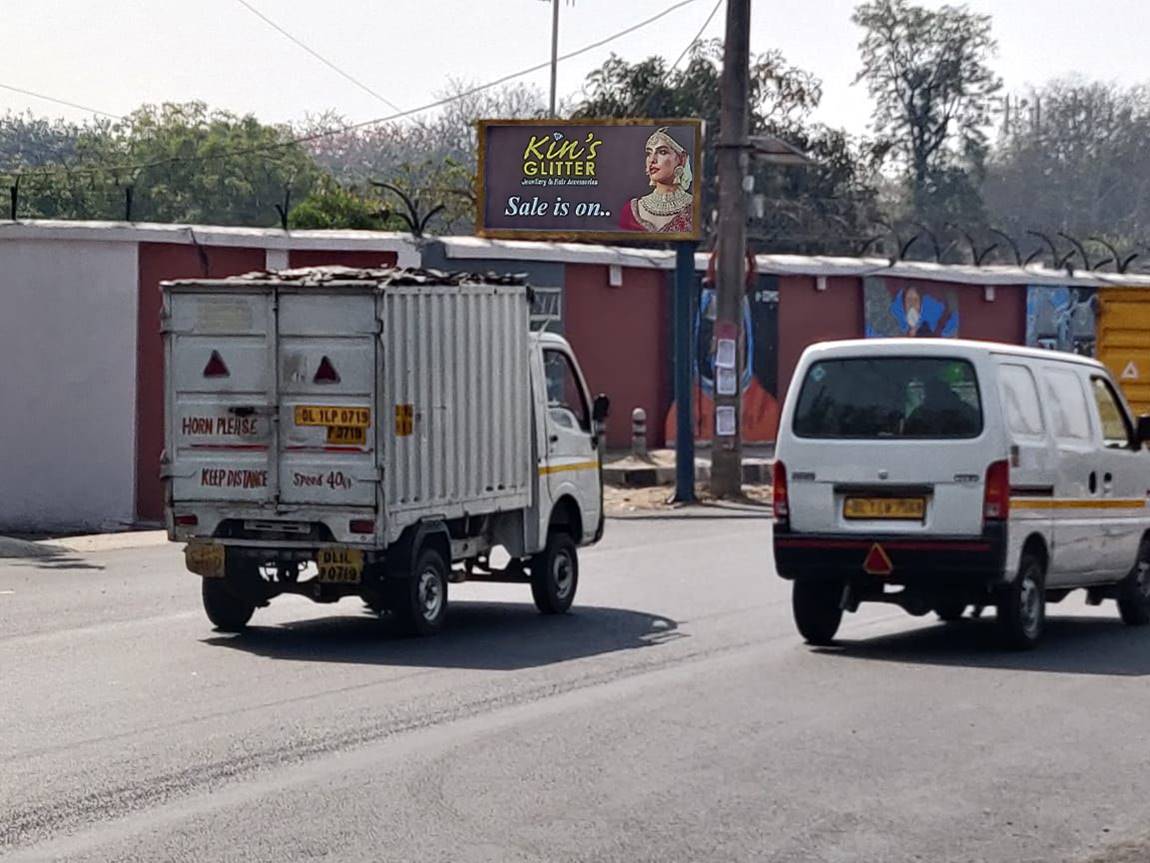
326,373
216,367
877,561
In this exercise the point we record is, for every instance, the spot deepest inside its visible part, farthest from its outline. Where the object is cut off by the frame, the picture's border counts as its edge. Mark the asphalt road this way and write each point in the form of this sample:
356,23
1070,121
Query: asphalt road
675,716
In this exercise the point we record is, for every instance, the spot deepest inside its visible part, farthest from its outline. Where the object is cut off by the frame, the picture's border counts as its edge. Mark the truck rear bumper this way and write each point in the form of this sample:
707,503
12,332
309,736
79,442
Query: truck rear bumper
892,559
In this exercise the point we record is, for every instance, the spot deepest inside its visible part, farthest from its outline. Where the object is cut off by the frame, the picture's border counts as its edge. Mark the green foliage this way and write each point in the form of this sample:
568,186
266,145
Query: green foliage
1073,158
184,163
331,206
929,74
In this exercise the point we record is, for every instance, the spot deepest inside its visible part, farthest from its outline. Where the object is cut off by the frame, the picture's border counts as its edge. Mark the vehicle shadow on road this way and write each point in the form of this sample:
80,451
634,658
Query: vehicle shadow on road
496,636
1071,645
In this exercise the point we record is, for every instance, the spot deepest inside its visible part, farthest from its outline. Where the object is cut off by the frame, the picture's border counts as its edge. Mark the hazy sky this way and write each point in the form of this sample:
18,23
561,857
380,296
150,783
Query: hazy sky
114,55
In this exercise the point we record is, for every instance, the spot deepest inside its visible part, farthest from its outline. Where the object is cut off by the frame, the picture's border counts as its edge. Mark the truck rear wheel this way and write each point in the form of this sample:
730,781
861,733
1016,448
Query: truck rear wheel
419,602
555,574
818,610
226,609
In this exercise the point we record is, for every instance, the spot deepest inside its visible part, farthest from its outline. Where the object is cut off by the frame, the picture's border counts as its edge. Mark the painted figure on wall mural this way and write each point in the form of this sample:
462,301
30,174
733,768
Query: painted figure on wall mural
914,311
1062,319
758,354
669,207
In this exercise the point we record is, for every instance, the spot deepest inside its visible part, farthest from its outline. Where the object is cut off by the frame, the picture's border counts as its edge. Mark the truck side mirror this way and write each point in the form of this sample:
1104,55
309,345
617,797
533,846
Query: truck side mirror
602,408
1143,433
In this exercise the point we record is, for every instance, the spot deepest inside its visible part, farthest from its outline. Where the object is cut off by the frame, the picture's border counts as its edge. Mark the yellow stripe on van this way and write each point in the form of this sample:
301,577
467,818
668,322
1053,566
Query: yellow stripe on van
1087,503
544,470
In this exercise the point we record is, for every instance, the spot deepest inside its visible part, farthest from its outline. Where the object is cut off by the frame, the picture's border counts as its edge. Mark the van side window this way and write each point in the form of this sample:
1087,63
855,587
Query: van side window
1068,409
1116,429
1020,400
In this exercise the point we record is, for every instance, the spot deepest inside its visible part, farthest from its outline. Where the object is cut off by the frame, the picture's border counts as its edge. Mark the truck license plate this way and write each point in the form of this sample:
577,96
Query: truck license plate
325,415
340,565
205,558
889,508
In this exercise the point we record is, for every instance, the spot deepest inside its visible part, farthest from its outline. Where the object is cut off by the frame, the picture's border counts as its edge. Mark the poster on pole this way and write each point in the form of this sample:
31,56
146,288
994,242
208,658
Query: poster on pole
599,180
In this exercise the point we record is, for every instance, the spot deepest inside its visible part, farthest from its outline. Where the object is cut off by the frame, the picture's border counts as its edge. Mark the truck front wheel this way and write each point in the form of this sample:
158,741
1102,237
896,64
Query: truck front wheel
555,574
420,601
226,609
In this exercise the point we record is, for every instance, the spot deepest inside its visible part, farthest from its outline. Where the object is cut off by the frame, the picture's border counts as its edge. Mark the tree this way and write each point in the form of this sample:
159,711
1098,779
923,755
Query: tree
183,162
1073,158
929,74
824,207
433,160
332,206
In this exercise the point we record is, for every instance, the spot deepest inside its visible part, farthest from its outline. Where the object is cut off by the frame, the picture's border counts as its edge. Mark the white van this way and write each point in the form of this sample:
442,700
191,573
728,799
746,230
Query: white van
942,474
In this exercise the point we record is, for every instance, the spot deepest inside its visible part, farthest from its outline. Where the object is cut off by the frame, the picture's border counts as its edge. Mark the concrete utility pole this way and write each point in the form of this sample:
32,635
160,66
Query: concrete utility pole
727,451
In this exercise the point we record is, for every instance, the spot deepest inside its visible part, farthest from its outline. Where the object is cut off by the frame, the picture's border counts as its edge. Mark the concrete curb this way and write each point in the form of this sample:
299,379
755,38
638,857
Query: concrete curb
12,548
755,472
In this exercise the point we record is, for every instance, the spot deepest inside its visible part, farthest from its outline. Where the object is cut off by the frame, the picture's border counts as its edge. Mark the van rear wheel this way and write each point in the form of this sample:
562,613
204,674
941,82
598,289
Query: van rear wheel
818,610
1022,605
1134,591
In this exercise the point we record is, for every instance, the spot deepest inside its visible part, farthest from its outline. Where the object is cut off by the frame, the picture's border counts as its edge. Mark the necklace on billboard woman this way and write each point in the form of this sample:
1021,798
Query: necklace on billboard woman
666,203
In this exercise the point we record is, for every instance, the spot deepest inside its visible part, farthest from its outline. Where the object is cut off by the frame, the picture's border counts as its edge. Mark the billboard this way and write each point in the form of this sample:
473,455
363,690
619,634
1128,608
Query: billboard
604,180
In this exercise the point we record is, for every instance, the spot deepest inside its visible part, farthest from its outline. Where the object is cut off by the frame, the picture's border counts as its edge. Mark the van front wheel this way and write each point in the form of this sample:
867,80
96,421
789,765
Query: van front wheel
818,610
1022,606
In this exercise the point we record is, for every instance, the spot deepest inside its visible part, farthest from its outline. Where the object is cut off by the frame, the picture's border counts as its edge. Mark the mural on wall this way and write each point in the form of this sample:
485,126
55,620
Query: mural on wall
759,358
908,309
1062,319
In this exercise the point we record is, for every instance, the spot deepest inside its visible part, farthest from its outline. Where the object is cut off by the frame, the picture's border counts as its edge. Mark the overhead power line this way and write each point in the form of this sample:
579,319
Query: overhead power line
317,136
65,102
679,59
318,56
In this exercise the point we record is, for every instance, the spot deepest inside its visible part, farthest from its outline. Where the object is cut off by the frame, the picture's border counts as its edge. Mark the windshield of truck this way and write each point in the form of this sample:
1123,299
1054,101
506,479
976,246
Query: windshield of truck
924,398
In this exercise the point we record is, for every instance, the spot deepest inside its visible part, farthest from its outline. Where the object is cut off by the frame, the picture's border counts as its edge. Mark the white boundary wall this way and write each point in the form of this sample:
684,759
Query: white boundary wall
67,384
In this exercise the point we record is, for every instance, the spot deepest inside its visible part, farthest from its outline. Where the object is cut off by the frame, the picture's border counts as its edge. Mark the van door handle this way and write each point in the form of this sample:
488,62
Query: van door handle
1093,482
554,438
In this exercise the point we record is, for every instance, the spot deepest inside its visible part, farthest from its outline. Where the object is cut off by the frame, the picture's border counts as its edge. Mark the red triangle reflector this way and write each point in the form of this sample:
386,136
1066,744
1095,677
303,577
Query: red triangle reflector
216,367
877,561
326,373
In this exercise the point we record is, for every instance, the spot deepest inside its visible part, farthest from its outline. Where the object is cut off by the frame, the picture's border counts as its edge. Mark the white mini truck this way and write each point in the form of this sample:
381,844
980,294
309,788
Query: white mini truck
942,474
337,432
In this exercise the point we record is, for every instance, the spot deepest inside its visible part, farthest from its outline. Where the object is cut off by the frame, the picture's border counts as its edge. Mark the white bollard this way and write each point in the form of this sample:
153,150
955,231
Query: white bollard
639,433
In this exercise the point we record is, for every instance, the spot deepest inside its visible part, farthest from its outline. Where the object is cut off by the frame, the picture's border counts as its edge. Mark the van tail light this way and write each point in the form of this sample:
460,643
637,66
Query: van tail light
779,495
996,503
362,525
187,520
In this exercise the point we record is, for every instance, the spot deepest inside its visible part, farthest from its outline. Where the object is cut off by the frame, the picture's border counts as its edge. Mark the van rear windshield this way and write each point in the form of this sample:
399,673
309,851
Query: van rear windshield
915,398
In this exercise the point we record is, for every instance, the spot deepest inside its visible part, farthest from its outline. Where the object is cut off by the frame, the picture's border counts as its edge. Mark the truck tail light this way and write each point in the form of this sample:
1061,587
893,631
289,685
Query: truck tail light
187,520
996,502
779,494
362,525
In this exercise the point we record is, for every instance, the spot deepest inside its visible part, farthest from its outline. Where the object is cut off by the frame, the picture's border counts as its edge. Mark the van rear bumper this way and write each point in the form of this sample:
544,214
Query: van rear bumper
914,561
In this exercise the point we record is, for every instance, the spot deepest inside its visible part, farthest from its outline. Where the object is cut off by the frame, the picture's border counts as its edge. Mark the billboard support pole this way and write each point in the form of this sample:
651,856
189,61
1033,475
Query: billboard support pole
684,409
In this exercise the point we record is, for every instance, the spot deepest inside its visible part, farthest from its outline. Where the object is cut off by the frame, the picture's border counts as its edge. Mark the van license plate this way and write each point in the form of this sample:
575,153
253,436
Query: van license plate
340,565
892,508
